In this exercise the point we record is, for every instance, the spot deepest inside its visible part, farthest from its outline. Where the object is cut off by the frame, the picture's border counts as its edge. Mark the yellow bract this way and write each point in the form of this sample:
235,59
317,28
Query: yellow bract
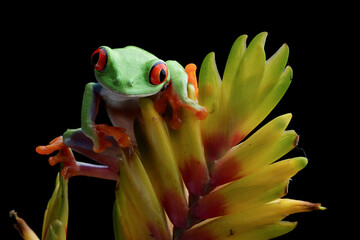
160,162
189,151
138,206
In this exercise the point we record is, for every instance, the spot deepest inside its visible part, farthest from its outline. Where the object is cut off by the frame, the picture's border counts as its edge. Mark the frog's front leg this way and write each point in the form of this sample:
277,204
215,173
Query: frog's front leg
98,132
176,93
96,141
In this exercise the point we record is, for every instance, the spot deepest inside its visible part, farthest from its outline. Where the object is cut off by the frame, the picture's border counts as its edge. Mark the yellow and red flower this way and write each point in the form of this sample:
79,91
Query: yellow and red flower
206,170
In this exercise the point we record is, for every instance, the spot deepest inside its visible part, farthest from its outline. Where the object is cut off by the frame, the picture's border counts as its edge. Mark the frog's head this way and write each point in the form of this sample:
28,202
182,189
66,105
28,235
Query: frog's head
129,71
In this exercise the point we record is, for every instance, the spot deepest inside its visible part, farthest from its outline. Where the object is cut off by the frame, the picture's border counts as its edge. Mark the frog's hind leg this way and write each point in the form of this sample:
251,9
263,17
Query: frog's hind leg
76,140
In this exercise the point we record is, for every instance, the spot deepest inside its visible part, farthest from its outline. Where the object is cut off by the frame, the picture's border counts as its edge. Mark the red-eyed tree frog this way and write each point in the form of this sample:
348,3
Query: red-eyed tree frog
123,75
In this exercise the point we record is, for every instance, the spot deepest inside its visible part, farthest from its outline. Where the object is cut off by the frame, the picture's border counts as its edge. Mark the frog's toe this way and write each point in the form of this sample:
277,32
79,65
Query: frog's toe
117,133
64,155
56,144
202,113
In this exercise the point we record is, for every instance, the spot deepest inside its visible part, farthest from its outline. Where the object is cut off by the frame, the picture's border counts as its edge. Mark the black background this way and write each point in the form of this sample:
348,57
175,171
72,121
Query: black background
46,64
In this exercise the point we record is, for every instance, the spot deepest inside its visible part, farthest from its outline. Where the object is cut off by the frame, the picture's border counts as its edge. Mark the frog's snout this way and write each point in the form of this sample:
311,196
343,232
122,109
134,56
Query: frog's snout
122,82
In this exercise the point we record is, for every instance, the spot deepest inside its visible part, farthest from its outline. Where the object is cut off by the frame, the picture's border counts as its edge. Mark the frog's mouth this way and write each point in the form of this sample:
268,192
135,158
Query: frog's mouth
131,94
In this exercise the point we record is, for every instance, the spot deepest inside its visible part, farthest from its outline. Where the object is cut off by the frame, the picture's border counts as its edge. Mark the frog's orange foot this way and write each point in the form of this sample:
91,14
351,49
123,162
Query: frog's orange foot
70,167
202,113
117,133
64,155
170,96
54,145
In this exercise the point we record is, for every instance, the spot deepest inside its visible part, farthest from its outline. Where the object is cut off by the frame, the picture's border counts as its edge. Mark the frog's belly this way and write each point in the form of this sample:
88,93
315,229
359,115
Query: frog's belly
122,112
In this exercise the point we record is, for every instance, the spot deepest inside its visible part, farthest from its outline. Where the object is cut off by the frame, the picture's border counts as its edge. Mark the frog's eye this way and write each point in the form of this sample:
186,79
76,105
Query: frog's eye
158,73
99,59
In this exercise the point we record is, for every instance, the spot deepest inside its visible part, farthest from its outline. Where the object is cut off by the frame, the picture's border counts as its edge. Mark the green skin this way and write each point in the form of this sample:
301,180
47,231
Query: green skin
121,84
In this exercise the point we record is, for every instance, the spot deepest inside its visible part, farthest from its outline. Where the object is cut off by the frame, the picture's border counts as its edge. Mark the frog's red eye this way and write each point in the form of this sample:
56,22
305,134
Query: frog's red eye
99,59
158,73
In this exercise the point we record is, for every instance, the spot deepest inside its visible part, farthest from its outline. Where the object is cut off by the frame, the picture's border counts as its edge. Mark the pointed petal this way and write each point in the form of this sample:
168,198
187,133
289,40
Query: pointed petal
269,231
209,97
266,101
253,63
247,221
159,160
265,185
265,146
238,98
136,184
189,151
274,67
209,87
231,69
262,232
129,223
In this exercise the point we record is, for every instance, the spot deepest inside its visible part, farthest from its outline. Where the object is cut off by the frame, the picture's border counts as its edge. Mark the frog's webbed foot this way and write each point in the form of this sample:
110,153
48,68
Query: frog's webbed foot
56,144
177,101
70,166
64,155
117,133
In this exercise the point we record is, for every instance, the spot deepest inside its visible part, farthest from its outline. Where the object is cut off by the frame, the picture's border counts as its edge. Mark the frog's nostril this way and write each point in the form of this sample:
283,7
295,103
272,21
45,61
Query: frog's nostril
116,82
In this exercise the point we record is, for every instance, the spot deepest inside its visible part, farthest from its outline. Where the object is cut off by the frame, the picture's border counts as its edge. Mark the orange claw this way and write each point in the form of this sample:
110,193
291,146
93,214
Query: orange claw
117,133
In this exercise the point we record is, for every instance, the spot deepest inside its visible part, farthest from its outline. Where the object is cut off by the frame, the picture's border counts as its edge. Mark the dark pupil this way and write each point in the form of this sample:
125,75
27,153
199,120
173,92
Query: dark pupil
162,75
95,59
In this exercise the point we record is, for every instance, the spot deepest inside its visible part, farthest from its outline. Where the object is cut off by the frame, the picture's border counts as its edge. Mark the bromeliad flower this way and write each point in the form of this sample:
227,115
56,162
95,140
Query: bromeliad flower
233,185
181,176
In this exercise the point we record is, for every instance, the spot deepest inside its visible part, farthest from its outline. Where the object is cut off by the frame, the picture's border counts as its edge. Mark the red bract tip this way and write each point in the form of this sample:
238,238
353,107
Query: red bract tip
195,176
210,206
176,208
